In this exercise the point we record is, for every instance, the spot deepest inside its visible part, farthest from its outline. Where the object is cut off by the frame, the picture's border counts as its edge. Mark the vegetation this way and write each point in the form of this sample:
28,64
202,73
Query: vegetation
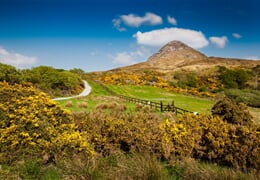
102,138
236,78
247,96
9,74
55,82
38,138
33,126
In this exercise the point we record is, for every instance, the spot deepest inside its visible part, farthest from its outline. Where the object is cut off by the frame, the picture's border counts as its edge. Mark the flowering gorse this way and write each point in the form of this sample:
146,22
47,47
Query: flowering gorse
32,123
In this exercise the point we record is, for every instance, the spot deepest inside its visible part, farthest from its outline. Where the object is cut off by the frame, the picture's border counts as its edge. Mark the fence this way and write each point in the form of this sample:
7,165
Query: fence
159,106
156,105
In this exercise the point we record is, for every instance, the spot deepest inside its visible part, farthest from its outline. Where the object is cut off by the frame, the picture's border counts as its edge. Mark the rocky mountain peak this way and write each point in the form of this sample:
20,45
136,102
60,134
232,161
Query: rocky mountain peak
176,52
174,46
176,55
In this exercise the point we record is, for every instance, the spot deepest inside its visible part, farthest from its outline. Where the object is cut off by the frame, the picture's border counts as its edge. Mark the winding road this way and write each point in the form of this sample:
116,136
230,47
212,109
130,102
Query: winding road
85,92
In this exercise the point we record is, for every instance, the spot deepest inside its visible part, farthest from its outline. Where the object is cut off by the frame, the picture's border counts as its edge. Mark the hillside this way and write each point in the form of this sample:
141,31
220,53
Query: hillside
176,56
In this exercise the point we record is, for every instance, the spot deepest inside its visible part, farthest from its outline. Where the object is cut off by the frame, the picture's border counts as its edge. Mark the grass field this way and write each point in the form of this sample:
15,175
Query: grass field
190,103
100,95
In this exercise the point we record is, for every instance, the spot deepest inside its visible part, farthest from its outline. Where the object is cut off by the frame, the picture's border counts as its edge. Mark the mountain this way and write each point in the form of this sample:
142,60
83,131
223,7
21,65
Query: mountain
176,55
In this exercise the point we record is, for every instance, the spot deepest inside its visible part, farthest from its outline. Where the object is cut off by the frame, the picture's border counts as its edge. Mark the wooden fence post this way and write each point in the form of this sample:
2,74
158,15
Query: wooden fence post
173,106
161,106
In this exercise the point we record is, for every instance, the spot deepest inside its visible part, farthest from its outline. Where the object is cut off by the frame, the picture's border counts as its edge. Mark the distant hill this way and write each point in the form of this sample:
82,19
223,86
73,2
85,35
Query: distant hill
178,56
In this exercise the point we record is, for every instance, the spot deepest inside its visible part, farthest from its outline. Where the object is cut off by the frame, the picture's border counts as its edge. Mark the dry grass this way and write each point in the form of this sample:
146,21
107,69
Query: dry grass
82,105
68,104
255,112
192,169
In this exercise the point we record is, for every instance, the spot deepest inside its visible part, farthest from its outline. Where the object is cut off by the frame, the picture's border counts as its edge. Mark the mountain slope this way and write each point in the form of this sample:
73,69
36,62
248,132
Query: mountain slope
176,55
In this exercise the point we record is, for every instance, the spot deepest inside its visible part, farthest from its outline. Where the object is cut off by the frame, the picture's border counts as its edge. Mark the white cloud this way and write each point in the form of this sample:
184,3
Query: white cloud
171,20
117,25
236,35
15,59
252,58
195,39
128,58
123,58
133,20
136,21
219,41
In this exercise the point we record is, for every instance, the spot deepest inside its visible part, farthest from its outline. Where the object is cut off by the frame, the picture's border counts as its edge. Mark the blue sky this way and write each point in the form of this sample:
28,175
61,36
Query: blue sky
103,34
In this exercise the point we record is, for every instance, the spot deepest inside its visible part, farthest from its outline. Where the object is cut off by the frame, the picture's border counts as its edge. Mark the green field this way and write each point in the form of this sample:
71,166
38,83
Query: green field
189,103
99,95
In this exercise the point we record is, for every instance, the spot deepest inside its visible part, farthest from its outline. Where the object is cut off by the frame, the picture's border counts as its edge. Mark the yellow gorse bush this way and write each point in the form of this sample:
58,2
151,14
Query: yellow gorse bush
176,139
30,122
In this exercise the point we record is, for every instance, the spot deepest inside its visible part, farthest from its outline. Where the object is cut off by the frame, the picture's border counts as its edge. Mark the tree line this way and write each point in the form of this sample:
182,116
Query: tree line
55,82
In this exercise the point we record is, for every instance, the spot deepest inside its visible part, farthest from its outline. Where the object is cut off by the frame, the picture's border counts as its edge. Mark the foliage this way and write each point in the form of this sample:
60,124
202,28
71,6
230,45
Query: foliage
127,144
55,82
202,137
247,96
191,84
227,144
232,112
116,131
236,78
32,124
9,74
186,80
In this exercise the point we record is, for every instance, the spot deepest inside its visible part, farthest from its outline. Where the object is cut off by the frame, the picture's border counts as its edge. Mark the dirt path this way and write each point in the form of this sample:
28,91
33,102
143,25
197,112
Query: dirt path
85,92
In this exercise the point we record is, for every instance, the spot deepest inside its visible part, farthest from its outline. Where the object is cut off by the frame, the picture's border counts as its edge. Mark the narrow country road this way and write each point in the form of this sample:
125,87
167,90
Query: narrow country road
85,92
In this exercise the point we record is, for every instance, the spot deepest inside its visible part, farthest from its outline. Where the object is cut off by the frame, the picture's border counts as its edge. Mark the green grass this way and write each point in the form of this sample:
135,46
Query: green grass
92,99
100,95
190,103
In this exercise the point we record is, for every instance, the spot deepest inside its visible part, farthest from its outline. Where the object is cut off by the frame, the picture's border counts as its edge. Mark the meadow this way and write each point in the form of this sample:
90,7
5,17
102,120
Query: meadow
99,94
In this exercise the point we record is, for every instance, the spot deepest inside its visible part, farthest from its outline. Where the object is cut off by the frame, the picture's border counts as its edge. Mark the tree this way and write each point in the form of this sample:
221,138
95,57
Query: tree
256,71
9,74
234,78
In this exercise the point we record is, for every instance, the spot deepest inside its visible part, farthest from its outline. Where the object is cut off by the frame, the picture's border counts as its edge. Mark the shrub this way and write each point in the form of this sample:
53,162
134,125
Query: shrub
82,105
9,74
68,104
249,97
115,131
232,112
227,144
32,124
236,78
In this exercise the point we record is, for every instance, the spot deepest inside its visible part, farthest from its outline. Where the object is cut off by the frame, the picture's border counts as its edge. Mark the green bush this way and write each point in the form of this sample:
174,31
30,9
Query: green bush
9,74
247,96
53,81
235,78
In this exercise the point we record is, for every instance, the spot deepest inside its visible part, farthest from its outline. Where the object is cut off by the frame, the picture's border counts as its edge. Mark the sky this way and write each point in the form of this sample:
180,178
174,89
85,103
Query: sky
97,35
